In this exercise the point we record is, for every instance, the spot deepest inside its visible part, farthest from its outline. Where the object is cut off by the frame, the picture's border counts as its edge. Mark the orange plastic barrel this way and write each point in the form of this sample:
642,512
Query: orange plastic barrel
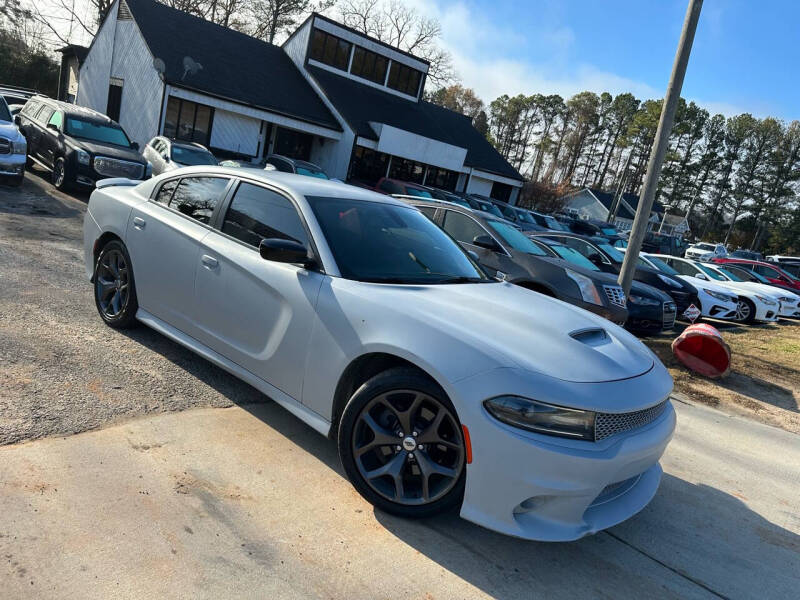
701,348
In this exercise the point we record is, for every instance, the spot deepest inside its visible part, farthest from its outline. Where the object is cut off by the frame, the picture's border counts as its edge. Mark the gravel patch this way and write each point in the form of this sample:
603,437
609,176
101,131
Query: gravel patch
62,371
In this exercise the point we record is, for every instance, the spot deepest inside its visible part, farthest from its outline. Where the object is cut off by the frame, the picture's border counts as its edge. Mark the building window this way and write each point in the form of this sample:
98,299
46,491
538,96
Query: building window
188,121
329,49
406,170
114,104
367,166
294,144
501,191
404,79
369,65
443,179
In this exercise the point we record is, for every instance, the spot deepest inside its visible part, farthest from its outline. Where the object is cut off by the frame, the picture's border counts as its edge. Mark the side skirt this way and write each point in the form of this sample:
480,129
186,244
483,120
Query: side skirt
293,406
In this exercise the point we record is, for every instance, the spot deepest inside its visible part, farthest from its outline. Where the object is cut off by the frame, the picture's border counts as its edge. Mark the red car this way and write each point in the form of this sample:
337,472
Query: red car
772,272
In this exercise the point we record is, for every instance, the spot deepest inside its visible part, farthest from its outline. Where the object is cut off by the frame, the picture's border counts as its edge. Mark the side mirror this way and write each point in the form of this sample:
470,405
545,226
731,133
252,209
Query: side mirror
135,145
52,126
17,120
485,241
473,255
284,251
702,276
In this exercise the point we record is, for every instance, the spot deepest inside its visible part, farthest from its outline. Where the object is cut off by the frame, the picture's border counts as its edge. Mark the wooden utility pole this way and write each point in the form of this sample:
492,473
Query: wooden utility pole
660,145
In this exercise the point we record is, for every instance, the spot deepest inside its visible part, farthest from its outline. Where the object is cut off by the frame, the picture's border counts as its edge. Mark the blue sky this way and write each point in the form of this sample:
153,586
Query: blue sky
745,56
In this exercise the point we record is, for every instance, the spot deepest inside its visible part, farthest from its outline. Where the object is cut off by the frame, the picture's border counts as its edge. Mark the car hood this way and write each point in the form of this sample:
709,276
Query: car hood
760,288
110,150
714,286
10,131
528,330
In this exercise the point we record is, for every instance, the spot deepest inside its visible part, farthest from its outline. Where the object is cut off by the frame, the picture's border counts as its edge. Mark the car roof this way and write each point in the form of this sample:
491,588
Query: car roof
456,207
72,110
299,184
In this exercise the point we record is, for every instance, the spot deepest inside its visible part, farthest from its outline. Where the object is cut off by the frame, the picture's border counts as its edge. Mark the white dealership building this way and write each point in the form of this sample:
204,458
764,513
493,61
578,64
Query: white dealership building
329,94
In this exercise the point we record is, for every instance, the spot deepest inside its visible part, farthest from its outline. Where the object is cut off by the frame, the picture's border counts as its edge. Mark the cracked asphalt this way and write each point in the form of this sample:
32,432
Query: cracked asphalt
192,484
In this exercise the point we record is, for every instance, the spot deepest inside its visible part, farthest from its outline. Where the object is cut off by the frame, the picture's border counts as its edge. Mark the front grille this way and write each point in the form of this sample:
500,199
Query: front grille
113,167
608,424
670,312
615,295
5,146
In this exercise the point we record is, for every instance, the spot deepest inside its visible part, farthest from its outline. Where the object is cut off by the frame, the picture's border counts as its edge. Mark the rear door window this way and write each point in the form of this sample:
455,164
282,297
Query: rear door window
197,197
461,227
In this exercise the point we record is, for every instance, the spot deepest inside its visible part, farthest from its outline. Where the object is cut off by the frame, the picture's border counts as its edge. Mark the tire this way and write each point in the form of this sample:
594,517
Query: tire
114,286
430,466
60,177
745,311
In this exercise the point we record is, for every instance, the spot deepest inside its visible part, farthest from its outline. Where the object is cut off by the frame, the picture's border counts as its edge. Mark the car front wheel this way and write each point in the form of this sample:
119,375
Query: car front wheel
745,311
114,287
60,177
402,446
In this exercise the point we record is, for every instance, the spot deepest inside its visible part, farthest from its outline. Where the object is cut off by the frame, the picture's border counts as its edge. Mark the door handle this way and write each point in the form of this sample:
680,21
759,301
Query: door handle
209,261
138,222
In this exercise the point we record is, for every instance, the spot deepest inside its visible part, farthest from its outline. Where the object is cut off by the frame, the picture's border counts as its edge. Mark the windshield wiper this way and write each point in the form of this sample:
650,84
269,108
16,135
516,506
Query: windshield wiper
462,279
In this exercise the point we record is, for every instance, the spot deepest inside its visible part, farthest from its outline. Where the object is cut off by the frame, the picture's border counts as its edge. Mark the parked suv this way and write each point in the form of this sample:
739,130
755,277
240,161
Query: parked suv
13,148
519,216
165,154
705,251
504,252
78,145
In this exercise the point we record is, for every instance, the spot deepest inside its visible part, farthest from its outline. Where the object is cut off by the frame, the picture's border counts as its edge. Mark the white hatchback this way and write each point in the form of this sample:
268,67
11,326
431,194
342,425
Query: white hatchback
355,312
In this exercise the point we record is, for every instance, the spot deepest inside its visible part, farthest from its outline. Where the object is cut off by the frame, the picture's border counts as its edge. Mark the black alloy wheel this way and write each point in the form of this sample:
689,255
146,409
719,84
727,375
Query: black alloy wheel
114,291
402,445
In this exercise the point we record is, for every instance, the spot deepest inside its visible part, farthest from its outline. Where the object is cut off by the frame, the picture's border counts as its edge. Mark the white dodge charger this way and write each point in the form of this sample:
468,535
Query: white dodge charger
442,387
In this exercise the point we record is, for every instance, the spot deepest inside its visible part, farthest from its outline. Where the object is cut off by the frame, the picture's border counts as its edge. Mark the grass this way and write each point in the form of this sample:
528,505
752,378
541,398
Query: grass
764,381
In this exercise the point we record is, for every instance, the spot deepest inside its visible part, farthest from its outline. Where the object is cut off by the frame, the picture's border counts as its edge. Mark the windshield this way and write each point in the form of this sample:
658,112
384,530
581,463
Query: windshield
707,247
418,193
97,132
387,243
515,239
710,272
612,252
575,257
311,172
490,208
192,156
525,217
609,230
553,224
662,266
729,274
5,115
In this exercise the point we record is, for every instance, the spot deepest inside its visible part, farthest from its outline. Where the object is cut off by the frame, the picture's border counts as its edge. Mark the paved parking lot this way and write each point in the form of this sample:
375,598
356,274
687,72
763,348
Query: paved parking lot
195,485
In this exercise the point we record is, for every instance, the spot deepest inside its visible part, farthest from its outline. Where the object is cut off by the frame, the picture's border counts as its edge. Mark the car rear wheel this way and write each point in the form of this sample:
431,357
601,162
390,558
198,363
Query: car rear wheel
745,311
402,446
114,287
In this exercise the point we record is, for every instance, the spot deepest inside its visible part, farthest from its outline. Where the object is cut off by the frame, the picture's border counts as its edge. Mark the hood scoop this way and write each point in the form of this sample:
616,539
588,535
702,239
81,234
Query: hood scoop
592,336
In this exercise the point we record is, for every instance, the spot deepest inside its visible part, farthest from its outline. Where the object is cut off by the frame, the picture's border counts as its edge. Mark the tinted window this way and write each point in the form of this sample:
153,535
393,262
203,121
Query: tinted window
683,268
280,165
381,242
97,132
462,227
368,65
165,193
257,213
428,211
196,197
390,187
330,49
404,79
192,156
57,119
661,265
515,239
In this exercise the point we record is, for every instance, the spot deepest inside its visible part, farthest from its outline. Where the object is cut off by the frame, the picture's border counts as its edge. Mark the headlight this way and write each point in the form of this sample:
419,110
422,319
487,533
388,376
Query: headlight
719,296
588,290
542,418
767,301
669,281
637,299
19,147
83,156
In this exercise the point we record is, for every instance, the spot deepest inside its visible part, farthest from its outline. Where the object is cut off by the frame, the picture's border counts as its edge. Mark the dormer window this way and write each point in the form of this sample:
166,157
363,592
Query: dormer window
330,50
369,65
404,79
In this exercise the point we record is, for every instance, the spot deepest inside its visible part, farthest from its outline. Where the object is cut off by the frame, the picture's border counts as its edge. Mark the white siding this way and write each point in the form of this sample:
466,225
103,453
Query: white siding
479,185
587,206
96,69
235,133
142,88
296,45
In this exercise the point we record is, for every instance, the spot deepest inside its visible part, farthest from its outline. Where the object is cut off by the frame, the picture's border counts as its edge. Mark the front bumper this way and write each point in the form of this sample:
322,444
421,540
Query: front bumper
645,318
12,164
540,487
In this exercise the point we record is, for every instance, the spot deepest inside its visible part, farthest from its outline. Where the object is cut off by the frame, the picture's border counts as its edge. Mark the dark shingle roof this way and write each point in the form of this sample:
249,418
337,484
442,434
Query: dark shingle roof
632,200
235,66
359,104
